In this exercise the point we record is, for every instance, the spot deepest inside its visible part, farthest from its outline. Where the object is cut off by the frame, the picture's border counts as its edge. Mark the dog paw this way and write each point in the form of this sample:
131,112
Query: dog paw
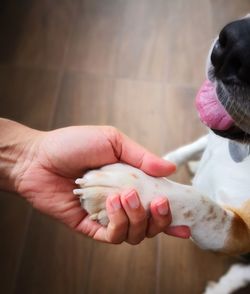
96,185
93,200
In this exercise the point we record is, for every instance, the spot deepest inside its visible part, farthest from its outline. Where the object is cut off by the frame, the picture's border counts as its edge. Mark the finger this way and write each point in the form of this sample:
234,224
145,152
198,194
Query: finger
118,221
128,151
179,231
160,217
116,231
136,155
137,217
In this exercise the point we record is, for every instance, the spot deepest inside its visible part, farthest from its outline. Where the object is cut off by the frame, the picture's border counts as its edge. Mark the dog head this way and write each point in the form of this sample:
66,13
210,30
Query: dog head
223,101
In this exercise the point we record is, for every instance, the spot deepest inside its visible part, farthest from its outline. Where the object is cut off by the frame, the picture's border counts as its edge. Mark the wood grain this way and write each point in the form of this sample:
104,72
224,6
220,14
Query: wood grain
36,33
193,267
28,95
233,11
82,99
156,39
118,269
15,215
96,36
55,259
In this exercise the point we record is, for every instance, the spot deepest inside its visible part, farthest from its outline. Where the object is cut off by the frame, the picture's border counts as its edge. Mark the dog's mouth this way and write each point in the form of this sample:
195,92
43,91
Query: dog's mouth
213,114
210,110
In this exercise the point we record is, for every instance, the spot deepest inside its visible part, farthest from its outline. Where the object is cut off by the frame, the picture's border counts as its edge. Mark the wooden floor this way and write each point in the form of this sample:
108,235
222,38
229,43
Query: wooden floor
134,64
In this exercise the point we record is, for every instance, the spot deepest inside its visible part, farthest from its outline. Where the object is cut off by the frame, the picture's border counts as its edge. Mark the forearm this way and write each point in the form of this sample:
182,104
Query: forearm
15,152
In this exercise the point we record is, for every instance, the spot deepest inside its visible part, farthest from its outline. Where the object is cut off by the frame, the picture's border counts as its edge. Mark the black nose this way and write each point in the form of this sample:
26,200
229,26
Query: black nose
231,53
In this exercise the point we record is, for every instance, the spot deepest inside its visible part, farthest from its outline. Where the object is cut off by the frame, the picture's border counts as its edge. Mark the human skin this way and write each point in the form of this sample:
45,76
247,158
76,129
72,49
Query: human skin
42,167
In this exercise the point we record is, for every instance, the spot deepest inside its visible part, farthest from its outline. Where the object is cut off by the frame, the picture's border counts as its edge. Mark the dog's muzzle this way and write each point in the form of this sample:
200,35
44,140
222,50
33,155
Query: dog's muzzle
223,101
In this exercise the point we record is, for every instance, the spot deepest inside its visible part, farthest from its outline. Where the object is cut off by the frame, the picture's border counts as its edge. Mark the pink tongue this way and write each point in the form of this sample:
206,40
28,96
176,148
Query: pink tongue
210,110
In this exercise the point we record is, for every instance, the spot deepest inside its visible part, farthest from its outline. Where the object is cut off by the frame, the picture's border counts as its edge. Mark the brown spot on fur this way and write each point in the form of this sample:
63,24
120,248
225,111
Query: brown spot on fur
217,226
211,209
238,241
134,176
204,218
212,217
211,214
203,201
99,174
188,214
156,185
223,218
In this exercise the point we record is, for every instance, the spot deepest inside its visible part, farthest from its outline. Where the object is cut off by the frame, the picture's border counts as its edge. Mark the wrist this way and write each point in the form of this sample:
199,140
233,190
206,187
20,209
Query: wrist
17,148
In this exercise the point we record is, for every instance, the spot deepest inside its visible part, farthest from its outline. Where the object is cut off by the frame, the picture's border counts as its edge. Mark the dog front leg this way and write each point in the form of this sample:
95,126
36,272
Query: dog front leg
187,152
210,224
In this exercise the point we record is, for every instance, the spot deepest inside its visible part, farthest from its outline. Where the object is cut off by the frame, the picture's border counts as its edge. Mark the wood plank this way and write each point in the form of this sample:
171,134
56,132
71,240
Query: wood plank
55,259
189,40
95,37
156,41
138,40
35,33
27,96
12,18
123,268
136,110
186,269
223,12
83,99
154,113
14,220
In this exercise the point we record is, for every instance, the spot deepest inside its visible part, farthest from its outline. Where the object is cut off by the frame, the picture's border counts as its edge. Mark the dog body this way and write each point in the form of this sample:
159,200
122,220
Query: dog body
217,206
221,178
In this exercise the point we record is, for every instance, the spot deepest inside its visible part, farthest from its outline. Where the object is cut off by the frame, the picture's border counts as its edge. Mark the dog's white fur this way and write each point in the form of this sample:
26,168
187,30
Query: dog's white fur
224,180
237,277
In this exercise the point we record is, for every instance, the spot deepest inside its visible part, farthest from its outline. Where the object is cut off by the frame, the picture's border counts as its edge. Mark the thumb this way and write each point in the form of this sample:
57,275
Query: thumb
134,154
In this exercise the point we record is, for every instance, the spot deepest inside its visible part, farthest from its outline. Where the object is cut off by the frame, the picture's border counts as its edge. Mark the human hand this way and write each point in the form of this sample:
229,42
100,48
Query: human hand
51,161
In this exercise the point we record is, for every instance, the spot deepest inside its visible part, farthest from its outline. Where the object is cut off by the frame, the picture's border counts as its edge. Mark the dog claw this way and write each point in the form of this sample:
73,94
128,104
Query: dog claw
80,181
78,192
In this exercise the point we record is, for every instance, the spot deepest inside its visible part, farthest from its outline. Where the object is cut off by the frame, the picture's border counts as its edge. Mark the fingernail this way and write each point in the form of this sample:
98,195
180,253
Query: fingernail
162,207
115,203
132,200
